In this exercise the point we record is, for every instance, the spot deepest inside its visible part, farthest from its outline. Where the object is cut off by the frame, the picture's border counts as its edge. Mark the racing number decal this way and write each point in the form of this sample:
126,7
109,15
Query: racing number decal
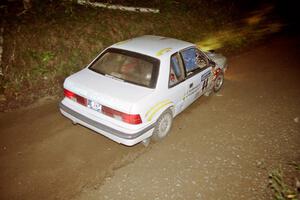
205,78
205,84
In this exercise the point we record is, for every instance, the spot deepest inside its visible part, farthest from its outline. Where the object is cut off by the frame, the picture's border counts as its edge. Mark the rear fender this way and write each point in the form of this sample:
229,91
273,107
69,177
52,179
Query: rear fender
155,111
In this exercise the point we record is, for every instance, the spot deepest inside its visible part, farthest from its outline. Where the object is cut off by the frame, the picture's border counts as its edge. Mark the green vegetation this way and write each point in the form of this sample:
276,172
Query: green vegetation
281,189
50,42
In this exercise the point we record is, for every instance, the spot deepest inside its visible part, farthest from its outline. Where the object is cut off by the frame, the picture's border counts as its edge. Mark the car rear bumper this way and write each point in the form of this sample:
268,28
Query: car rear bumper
128,139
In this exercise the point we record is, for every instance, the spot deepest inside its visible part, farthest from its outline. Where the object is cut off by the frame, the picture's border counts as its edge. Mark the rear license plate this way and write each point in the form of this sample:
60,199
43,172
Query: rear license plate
94,105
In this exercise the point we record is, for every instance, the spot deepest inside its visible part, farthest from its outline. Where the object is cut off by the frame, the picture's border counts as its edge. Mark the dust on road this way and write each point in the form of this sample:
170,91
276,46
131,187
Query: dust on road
221,147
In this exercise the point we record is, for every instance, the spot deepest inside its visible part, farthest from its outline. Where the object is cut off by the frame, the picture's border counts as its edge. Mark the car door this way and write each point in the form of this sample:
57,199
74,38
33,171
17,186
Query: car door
197,72
177,82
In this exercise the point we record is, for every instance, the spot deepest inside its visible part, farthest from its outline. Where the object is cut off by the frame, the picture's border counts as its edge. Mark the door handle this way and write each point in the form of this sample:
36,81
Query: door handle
191,85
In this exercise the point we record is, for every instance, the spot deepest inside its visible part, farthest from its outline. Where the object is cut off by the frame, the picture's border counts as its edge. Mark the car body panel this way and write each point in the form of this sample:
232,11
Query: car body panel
154,46
98,87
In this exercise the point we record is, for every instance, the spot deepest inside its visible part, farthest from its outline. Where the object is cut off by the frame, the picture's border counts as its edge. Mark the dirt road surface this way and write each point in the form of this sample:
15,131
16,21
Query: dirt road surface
222,147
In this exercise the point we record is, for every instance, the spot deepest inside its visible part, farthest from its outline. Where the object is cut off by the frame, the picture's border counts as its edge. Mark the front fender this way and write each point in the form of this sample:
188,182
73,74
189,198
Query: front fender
219,59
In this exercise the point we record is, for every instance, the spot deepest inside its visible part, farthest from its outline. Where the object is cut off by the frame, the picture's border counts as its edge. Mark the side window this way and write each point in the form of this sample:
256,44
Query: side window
176,70
193,59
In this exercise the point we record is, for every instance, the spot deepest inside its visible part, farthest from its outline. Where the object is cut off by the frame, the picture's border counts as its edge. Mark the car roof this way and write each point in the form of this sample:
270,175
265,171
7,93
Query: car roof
154,46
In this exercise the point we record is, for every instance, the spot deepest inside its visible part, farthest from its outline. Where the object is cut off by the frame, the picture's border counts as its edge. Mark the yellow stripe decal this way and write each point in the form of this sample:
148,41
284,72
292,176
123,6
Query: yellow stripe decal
158,108
163,51
156,105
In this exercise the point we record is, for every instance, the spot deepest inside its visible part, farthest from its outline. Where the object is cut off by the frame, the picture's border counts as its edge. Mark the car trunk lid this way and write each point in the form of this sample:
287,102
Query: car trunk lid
106,90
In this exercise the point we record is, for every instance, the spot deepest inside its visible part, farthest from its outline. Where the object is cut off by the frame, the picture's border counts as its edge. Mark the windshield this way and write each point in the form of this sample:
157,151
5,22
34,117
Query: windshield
127,66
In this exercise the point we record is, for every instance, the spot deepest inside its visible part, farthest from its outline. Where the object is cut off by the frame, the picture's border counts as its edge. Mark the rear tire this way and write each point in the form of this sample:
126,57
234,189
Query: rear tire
163,125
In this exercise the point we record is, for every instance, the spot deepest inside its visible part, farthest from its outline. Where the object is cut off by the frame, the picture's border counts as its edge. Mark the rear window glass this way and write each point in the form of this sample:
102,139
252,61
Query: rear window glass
128,66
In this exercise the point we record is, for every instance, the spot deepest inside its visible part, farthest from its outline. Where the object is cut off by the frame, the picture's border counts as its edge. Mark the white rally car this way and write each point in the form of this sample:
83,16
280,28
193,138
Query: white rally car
133,89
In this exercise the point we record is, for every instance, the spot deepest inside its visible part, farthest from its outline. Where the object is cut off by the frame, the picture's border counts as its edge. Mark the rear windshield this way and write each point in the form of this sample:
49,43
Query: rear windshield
128,66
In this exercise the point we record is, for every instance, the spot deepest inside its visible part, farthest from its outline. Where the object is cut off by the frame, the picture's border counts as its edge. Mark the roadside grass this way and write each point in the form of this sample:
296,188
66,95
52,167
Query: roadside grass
285,187
46,45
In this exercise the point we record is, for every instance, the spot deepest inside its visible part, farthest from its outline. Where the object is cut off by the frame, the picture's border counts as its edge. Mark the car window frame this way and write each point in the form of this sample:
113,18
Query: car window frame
182,66
154,61
196,70
186,75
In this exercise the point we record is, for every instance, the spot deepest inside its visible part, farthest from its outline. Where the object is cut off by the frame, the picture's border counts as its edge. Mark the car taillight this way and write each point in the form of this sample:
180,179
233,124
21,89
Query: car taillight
128,118
75,97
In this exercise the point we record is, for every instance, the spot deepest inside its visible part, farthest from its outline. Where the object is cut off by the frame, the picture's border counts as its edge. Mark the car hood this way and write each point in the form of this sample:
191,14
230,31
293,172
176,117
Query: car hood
107,91
219,59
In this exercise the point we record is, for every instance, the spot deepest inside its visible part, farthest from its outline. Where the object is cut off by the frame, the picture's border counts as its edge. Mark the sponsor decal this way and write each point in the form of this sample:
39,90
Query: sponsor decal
205,75
193,90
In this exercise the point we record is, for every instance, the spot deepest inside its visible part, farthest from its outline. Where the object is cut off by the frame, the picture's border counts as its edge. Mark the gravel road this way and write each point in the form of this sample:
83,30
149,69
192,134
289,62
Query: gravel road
222,147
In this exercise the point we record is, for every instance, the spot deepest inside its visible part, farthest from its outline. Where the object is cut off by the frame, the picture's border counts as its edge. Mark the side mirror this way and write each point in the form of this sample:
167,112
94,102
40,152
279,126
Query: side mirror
212,63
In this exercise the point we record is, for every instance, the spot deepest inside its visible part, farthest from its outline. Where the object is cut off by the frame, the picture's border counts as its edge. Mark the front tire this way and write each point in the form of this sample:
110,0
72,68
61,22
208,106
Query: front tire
163,125
219,81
